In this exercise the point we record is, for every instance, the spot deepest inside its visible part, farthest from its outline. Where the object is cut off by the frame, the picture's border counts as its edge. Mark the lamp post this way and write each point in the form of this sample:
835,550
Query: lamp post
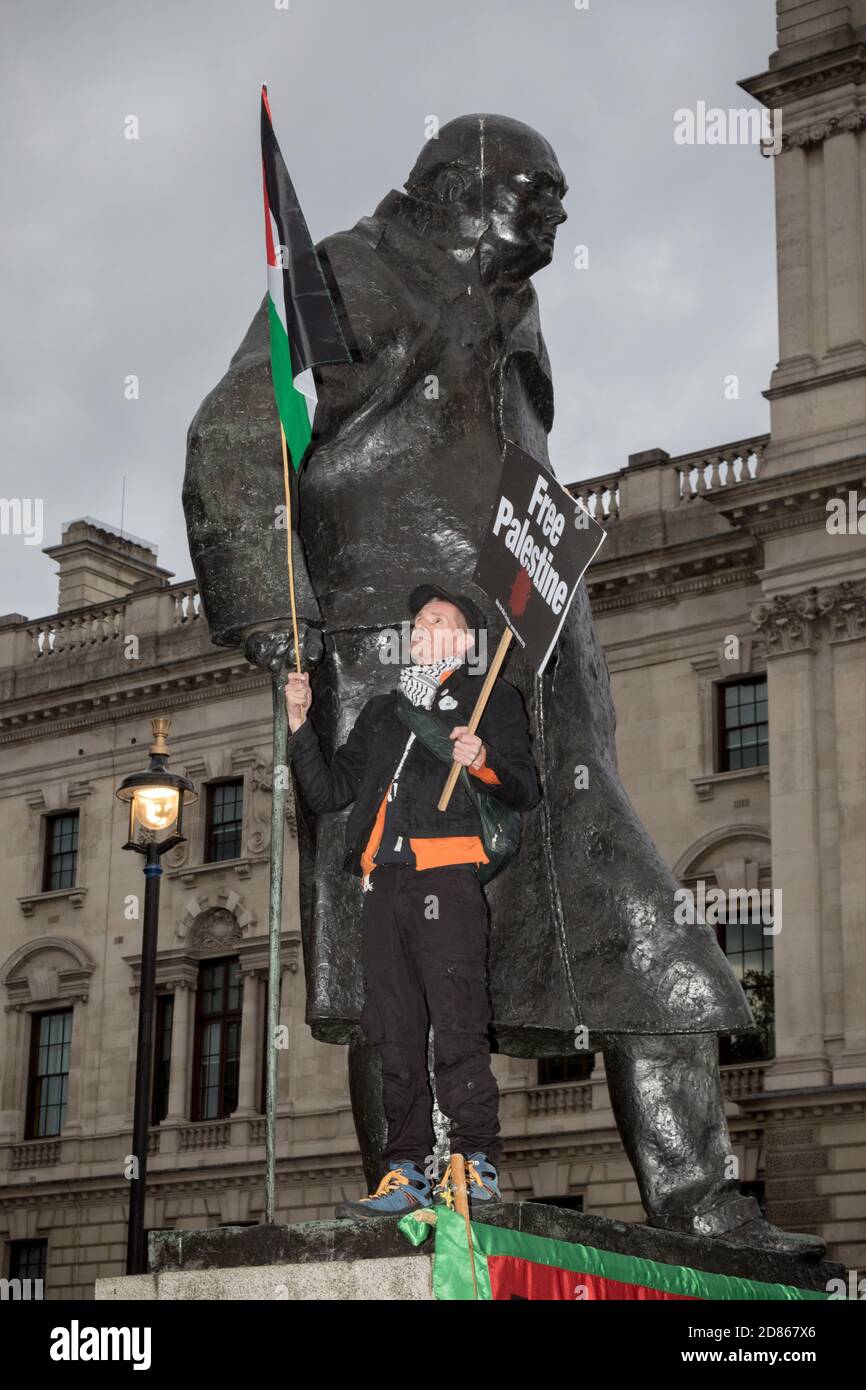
156,800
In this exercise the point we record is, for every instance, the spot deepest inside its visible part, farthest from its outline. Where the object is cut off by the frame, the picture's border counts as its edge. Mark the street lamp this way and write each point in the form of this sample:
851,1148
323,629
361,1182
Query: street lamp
156,800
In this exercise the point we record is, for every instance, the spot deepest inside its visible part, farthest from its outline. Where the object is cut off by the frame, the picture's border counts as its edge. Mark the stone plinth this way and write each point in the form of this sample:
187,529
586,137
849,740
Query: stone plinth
373,1260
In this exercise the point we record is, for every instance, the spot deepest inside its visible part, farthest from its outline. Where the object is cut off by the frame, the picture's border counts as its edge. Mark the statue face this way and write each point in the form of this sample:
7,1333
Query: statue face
438,633
524,207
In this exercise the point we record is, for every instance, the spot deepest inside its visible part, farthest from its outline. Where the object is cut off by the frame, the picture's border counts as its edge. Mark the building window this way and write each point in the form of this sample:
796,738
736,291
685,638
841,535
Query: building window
750,952
573,1066
49,1073
28,1259
225,805
161,1057
61,851
743,725
572,1202
216,1060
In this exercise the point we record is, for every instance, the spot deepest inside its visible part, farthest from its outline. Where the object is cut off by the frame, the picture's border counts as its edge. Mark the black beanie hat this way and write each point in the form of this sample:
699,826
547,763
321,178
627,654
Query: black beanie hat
422,593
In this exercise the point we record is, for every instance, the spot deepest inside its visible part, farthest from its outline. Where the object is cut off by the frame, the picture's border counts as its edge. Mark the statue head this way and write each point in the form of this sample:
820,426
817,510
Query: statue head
504,185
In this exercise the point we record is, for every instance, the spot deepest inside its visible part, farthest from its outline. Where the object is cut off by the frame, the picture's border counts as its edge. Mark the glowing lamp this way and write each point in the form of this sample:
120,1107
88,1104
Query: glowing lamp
156,796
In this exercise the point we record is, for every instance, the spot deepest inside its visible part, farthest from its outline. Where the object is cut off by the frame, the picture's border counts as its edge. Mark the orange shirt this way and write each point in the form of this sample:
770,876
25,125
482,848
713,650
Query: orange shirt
431,851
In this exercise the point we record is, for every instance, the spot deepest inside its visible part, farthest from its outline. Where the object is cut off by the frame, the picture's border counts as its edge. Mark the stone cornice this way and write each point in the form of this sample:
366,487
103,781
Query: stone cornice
824,1102
237,1170
794,88
789,501
812,378
821,73
663,583
178,969
57,712
30,983
231,1173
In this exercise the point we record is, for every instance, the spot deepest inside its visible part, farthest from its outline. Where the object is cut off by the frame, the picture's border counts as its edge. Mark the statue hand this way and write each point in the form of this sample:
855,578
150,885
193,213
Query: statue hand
275,651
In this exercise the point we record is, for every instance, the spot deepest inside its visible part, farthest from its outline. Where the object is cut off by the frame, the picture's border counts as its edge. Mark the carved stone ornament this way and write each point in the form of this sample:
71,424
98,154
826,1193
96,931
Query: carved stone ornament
794,622
821,130
844,609
787,623
215,928
261,786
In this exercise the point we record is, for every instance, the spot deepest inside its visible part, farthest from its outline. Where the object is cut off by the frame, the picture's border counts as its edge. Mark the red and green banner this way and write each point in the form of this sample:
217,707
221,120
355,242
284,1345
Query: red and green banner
511,1264
303,324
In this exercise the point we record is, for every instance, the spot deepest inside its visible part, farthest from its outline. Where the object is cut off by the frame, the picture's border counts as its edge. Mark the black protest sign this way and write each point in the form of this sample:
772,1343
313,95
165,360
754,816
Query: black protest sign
537,548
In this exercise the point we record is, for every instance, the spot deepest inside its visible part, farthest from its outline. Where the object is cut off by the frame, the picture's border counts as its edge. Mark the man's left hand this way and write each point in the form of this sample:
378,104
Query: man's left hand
468,748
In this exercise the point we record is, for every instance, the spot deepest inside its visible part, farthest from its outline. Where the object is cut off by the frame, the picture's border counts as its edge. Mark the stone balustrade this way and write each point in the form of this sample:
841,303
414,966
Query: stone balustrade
609,497
104,625
725,466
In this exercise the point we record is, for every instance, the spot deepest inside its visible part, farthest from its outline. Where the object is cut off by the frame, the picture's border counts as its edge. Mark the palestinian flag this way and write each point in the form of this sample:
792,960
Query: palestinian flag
304,328
512,1264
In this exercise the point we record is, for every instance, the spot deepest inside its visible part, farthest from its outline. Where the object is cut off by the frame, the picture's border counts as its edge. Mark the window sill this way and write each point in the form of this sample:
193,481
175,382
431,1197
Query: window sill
241,868
705,786
29,903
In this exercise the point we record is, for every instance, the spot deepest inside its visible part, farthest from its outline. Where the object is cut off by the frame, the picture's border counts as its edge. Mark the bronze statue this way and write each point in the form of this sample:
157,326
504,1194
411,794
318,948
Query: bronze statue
436,299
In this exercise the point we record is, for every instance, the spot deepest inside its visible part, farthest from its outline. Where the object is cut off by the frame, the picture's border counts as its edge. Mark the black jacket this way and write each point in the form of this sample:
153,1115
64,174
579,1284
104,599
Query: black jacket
363,766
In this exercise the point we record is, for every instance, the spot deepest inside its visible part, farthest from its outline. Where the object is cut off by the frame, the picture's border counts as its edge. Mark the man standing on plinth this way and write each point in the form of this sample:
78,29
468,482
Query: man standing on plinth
424,924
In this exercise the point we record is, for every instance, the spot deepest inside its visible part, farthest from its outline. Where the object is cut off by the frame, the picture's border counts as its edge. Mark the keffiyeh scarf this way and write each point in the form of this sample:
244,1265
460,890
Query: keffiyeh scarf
420,683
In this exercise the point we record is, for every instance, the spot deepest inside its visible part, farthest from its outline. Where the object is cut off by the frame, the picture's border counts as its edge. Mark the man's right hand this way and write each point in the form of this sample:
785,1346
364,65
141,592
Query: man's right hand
299,697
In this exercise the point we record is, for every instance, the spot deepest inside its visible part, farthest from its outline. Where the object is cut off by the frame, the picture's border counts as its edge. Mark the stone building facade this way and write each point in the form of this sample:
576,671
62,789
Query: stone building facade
730,597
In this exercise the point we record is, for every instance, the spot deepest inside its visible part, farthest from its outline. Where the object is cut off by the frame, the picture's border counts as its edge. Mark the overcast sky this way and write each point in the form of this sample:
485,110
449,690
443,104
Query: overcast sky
146,257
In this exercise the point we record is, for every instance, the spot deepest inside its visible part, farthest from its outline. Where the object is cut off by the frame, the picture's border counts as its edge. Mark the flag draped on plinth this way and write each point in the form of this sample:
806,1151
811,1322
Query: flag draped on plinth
304,328
512,1264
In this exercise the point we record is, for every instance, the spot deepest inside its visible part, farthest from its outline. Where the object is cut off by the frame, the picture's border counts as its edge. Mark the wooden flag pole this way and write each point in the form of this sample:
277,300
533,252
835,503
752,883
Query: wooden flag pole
277,855
461,1203
288,492
484,696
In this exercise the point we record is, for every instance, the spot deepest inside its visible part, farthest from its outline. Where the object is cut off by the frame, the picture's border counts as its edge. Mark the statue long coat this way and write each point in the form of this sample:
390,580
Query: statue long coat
398,486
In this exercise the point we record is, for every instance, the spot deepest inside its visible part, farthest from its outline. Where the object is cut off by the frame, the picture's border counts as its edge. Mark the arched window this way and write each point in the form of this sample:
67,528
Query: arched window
736,861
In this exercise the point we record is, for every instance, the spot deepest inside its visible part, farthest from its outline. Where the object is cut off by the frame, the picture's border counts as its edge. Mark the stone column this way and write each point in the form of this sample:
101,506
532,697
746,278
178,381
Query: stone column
793,255
179,1079
13,1074
845,606
844,267
816,391
787,624
250,1038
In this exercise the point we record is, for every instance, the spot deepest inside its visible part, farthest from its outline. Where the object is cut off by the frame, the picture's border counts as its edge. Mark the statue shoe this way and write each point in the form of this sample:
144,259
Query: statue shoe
482,1181
737,1220
761,1235
405,1187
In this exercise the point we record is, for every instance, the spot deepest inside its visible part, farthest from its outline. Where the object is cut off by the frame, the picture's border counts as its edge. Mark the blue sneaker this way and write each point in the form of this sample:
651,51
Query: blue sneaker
403,1188
482,1180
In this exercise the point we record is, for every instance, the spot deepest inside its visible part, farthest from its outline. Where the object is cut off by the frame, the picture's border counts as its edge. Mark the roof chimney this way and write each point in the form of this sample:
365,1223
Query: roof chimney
98,563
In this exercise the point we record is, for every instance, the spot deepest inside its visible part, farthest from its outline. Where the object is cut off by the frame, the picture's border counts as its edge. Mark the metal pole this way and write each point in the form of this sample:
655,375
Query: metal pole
275,913
136,1254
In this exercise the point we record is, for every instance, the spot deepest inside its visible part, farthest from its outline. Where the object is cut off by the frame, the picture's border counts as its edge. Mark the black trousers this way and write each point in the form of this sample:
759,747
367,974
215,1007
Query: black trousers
425,934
